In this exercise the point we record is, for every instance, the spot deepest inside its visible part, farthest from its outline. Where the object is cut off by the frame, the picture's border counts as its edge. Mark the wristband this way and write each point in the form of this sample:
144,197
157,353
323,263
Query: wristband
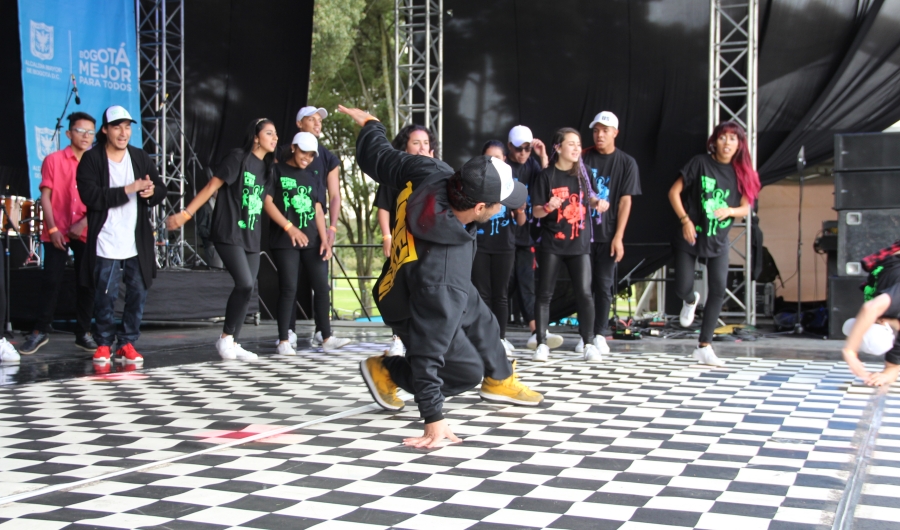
385,238
683,217
333,229
288,226
53,230
547,207
187,213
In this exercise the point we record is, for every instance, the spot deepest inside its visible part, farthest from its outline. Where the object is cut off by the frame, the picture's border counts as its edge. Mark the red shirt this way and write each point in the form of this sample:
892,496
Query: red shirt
58,175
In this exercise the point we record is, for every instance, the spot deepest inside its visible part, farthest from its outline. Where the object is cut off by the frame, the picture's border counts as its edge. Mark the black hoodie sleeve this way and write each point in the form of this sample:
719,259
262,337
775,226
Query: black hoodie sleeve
386,165
89,177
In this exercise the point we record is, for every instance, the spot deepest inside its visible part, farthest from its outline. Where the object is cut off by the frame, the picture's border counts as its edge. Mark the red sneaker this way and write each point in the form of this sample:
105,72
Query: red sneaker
101,356
129,355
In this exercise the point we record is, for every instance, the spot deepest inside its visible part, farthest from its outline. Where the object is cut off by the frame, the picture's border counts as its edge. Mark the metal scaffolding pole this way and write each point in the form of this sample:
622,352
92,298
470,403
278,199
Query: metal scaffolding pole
419,64
733,54
160,33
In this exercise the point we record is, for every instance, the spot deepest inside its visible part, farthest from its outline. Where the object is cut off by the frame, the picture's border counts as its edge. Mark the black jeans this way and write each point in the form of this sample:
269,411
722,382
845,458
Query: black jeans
243,267
288,261
107,275
604,275
490,275
51,282
579,267
523,280
716,276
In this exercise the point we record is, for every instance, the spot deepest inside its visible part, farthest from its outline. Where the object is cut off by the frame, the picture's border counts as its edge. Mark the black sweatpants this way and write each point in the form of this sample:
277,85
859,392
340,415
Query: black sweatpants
604,275
475,352
490,274
51,283
523,281
579,267
716,276
243,267
288,261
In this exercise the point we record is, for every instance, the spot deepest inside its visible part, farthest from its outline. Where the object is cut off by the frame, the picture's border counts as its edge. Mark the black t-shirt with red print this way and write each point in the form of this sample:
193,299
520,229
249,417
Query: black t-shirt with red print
567,230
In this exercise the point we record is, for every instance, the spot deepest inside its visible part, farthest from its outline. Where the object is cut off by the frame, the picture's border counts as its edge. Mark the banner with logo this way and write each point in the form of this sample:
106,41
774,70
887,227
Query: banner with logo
95,42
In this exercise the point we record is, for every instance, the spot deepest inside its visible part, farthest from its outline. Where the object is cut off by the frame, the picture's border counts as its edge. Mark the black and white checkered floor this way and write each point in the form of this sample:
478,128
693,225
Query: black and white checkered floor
639,441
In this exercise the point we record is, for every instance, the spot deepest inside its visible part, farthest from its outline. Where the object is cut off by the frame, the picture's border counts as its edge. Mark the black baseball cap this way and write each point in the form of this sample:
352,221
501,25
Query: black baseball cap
489,179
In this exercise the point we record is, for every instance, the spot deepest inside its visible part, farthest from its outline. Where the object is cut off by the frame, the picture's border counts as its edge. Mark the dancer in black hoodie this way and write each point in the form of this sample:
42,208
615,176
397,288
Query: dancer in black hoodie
425,290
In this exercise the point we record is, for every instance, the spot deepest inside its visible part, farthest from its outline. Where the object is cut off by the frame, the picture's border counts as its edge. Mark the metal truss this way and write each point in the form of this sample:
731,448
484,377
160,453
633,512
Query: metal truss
733,55
160,33
419,64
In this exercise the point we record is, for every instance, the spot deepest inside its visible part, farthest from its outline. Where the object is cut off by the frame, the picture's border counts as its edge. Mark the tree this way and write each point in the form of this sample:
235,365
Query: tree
352,65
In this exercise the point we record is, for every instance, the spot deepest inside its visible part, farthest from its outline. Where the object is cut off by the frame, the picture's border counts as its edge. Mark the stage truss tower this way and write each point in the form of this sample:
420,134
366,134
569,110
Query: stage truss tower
160,33
733,55
419,64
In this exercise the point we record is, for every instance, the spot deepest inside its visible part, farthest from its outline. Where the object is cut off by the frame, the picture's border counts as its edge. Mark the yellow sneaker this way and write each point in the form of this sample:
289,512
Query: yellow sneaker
379,382
509,390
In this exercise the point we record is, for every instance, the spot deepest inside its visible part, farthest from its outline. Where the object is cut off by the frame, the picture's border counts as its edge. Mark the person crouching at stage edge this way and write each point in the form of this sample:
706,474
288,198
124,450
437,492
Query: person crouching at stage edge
118,184
712,190
874,330
242,179
560,200
65,227
297,234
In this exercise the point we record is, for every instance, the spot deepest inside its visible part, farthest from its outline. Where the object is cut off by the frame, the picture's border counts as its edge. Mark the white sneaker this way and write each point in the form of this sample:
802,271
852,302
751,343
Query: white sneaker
508,346
225,347
686,318
542,353
397,348
552,341
592,354
579,348
292,338
8,353
285,348
706,355
243,355
316,339
600,343
334,343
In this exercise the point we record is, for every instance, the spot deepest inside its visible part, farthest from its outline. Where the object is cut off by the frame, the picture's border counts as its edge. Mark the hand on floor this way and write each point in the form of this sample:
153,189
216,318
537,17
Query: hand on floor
434,433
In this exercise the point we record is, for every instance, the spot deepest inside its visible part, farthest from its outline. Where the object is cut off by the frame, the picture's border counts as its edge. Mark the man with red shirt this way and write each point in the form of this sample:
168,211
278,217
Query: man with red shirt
65,227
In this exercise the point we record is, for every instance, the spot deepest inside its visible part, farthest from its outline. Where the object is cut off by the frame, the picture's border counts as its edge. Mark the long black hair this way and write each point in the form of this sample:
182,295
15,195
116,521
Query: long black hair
250,138
399,142
578,169
495,143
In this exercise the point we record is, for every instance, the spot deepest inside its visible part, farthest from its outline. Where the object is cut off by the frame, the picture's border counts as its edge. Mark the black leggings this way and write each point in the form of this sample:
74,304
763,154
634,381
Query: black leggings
604,273
716,276
288,261
580,272
490,274
243,267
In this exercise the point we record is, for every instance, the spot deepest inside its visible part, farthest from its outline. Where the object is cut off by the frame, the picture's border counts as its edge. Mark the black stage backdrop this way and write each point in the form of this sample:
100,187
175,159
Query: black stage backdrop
243,60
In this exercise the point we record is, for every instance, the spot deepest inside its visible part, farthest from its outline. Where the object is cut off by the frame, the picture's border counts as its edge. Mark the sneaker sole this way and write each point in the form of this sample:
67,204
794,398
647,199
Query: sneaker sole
487,396
554,342
85,348
367,378
101,361
36,348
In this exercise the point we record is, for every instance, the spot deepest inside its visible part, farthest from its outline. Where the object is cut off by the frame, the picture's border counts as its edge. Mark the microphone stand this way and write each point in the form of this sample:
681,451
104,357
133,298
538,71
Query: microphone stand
801,165
61,118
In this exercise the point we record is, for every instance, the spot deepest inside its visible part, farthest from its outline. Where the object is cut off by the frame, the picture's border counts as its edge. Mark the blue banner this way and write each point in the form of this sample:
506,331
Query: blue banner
96,42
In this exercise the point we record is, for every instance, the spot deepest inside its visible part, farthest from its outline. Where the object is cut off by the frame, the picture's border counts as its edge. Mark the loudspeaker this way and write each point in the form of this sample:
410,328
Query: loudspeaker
866,190
862,232
866,151
844,300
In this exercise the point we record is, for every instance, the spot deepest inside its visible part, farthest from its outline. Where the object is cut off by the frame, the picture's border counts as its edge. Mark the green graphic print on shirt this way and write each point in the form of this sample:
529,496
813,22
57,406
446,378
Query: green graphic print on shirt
252,201
712,199
300,201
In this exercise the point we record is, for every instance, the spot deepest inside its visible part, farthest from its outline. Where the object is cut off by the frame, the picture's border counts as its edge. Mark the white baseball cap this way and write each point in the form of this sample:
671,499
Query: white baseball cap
116,113
309,111
306,142
519,135
878,340
606,118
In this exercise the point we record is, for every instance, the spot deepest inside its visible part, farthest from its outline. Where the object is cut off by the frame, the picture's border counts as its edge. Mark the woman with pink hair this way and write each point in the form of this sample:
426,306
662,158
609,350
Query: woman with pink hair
712,190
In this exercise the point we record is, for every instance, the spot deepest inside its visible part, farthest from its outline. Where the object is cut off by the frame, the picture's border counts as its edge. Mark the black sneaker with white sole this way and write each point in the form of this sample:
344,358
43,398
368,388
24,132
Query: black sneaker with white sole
86,342
33,343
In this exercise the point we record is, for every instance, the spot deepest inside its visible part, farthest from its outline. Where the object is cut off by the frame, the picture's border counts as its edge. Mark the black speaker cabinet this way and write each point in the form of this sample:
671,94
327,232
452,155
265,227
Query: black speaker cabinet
866,190
844,300
862,232
866,151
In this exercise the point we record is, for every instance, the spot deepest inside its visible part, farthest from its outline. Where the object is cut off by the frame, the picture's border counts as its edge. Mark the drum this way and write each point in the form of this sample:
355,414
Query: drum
32,219
20,216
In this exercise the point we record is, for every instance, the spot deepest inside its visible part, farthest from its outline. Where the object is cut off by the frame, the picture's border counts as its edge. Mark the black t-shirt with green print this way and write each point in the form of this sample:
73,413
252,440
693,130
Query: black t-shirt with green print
295,192
708,186
237,217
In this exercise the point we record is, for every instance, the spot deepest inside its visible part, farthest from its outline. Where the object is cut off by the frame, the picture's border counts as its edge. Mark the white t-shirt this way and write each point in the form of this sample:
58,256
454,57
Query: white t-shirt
116,238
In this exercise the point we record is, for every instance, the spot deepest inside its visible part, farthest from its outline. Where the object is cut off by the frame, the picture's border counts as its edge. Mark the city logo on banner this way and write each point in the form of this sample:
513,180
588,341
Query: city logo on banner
43,137
41,40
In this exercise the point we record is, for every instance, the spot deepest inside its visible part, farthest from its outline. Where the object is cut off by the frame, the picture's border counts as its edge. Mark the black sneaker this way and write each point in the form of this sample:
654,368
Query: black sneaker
33,343
86,342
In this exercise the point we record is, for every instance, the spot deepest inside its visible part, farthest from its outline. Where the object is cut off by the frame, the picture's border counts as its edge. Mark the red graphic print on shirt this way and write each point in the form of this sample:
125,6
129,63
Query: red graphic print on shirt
573,212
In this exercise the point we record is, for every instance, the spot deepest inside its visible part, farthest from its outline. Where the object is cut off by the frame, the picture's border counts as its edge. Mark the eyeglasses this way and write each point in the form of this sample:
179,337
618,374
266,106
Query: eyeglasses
523,147
86,132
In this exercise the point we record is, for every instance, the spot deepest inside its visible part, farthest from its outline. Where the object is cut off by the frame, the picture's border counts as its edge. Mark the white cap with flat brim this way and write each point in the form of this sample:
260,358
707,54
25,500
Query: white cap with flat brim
306,142
519,135
309,111
606,118
878,340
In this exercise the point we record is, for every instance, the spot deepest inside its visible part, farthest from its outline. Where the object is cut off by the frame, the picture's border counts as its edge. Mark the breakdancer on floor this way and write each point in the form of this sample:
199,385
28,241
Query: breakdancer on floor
425,291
